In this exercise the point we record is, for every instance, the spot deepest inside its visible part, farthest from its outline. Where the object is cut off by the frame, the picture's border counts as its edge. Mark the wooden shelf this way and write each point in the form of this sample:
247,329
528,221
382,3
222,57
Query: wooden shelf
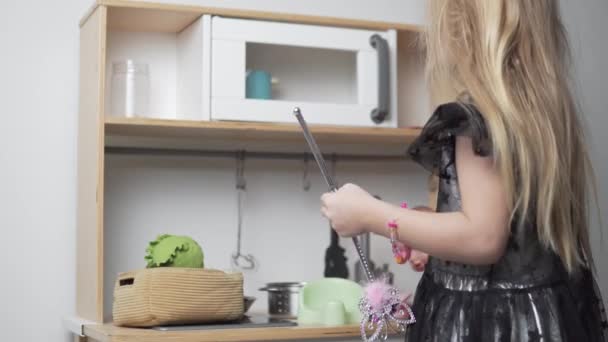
159,17
111,333
223,135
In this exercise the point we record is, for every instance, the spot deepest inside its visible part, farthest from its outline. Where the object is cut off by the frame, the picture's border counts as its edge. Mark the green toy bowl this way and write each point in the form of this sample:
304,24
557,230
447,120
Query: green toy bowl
330,302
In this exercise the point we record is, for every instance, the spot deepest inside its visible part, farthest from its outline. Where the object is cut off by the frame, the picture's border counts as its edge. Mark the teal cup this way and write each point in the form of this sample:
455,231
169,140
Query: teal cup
258,85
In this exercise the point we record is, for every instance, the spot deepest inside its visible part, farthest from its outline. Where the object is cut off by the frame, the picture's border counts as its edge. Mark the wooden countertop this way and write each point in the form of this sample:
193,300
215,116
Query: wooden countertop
110,333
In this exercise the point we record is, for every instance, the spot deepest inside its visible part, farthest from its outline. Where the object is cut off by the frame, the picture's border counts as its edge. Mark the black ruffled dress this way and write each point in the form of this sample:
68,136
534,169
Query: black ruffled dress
526,296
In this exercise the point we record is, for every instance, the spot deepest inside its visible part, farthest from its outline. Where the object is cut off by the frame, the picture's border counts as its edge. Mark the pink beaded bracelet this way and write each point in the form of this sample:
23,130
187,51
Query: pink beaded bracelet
401,252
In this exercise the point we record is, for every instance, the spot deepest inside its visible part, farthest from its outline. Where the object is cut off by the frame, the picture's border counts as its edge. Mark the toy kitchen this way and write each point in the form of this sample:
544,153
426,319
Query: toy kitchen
198,194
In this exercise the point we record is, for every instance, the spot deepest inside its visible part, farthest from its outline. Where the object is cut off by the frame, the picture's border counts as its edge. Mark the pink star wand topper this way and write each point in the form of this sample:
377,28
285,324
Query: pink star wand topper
384,304
381,306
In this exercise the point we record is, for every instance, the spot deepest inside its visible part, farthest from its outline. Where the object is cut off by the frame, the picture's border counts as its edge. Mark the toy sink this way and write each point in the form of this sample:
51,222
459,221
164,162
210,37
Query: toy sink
330,301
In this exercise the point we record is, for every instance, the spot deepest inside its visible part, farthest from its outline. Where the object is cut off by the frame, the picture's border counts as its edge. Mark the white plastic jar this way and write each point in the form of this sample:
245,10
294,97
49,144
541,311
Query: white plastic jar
130,89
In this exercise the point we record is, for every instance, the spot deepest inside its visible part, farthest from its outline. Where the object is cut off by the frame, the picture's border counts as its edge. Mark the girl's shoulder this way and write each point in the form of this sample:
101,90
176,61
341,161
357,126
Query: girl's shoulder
448,121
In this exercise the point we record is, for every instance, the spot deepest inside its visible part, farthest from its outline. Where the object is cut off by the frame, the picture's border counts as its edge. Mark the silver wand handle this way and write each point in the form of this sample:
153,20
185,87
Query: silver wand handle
316,152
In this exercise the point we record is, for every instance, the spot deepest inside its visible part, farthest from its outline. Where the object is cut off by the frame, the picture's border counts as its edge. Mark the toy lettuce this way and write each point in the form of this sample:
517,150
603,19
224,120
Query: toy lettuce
174,251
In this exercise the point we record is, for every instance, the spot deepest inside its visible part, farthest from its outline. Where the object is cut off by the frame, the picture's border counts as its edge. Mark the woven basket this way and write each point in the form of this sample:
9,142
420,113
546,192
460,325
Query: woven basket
167,296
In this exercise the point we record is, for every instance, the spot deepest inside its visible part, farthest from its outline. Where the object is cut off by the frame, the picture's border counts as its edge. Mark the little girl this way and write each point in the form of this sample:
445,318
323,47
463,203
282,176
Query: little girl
510,257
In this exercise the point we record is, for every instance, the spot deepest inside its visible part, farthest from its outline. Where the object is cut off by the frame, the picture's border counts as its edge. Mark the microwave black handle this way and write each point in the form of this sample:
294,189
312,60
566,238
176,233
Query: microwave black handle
380,113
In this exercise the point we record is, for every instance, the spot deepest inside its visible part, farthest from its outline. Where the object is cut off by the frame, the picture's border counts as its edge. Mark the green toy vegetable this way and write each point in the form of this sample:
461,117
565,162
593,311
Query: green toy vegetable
174,251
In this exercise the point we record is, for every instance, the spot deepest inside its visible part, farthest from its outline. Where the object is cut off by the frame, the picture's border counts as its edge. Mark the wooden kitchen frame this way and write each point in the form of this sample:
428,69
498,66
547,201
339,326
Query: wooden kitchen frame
96,131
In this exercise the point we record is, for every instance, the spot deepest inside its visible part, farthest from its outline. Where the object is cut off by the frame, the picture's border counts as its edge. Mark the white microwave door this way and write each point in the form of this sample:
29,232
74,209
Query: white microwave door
332,73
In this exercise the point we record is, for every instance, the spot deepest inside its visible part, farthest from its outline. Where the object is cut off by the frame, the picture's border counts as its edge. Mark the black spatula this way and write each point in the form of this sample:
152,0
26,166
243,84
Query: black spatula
335,261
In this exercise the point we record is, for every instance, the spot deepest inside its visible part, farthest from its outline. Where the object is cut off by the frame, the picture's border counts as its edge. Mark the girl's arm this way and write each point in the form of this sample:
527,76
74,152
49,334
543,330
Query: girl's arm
475,235
418,259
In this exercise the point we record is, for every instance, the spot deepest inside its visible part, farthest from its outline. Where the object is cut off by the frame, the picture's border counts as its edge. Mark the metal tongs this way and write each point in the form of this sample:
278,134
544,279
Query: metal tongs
316,152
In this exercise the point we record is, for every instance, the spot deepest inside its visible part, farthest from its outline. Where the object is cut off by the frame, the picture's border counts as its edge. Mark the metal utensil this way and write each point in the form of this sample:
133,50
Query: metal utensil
242,261
316,152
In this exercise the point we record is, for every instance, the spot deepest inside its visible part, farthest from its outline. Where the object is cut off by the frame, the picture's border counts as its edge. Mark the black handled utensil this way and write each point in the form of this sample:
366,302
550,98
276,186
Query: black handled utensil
335,260
316,152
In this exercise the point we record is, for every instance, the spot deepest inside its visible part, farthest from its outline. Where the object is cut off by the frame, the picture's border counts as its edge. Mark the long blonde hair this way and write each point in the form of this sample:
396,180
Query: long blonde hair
511,59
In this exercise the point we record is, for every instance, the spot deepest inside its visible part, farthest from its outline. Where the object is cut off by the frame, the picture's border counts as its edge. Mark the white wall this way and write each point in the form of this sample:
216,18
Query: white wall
38,93
38,96
586,22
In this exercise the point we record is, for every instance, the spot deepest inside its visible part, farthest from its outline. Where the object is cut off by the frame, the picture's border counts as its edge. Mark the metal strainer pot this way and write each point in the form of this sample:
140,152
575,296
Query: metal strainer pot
283,299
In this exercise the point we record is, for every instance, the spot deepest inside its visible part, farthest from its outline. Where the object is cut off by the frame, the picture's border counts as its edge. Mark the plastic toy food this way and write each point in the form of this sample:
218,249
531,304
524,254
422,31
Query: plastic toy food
174,251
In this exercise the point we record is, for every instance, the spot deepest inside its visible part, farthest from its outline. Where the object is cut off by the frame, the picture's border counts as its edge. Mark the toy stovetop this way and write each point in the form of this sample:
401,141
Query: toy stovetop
248,321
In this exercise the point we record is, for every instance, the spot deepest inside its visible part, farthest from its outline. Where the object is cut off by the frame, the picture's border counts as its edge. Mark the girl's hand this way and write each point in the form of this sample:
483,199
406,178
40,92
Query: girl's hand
346,209
418,260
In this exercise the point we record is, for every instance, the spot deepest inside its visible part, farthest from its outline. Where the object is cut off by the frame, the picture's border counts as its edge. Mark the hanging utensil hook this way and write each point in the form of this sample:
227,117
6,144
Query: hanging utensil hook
241,184
305,177
334,163
242,261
